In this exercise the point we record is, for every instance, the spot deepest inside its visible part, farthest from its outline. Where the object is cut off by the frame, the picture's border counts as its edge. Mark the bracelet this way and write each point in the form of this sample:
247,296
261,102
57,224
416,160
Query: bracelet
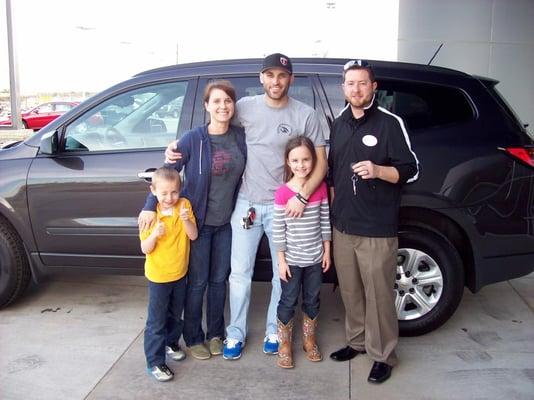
301,198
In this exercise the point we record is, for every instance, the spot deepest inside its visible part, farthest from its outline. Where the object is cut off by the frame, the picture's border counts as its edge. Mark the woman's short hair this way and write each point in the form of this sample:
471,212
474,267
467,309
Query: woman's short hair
223,85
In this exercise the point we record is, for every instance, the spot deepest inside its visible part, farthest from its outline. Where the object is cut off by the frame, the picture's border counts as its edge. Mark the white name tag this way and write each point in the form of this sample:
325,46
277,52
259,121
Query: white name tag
369,140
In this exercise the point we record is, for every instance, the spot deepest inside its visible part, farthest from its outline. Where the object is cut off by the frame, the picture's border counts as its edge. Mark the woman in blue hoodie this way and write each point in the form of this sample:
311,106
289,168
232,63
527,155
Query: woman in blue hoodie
213,158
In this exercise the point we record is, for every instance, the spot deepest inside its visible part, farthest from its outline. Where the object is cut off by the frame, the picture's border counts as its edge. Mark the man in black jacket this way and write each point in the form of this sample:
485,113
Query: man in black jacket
370,160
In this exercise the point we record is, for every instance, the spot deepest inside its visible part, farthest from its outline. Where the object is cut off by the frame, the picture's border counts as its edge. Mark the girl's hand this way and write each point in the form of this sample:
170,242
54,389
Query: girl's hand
184,214
326,262
283,271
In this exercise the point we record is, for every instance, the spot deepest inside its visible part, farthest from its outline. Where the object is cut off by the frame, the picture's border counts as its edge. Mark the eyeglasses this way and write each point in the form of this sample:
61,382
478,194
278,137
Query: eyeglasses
359,63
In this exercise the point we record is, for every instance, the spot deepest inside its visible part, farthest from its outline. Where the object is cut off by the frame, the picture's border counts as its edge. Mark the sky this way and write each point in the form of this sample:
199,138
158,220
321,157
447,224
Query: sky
75,45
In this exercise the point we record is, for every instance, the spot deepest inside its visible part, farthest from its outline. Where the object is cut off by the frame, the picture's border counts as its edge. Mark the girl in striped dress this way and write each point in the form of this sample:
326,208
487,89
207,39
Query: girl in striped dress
303,248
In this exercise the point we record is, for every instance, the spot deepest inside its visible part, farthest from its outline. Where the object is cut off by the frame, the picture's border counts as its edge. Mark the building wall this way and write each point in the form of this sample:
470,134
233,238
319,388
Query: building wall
493,38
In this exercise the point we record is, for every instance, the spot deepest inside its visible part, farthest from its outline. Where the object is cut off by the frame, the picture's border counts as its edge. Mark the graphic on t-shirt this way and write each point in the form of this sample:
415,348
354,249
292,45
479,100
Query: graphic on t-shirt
284,129
222,162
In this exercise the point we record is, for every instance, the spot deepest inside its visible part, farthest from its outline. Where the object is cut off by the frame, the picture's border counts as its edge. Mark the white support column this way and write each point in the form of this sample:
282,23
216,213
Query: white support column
13,70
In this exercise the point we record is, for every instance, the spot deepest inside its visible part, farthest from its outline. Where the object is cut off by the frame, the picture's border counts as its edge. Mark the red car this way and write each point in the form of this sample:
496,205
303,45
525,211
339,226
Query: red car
41,115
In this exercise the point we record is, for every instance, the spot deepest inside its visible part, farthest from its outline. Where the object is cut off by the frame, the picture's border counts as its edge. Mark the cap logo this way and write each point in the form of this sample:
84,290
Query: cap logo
283,61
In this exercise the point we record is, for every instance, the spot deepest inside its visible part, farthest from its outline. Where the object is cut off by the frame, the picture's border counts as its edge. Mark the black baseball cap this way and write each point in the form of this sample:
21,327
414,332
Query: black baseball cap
277,60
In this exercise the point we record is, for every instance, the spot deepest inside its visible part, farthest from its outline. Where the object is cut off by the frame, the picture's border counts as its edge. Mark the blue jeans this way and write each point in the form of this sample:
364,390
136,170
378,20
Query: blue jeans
164,322
310,278
209,265
244,247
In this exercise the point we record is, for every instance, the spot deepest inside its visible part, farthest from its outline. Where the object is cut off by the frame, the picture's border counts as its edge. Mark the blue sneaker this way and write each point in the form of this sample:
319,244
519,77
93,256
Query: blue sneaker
270,344
232,349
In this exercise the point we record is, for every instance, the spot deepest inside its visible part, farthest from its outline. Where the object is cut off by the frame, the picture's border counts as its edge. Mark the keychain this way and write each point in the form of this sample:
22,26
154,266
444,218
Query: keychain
248,220
354,178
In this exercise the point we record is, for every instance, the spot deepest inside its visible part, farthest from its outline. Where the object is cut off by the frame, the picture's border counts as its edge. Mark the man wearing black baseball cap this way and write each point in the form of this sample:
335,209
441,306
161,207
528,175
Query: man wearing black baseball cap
276,76
277,60
270,121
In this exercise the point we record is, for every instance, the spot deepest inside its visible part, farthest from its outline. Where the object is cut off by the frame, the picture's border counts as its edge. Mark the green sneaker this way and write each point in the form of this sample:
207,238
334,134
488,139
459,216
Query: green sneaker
200,351
216,346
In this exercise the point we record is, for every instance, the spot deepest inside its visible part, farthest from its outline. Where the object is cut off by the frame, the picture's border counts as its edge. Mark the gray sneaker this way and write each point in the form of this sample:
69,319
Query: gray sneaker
175,352
216,346
200,351
161,373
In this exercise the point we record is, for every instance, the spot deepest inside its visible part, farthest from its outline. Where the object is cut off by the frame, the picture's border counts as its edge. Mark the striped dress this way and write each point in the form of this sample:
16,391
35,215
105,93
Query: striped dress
302,238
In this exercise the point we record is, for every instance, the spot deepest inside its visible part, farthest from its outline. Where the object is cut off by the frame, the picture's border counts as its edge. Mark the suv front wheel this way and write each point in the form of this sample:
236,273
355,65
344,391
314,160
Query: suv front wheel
14,267
429,283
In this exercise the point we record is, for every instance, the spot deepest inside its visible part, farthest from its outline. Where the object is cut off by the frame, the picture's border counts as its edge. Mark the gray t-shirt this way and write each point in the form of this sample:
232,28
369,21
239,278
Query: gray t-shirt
227,164
267,130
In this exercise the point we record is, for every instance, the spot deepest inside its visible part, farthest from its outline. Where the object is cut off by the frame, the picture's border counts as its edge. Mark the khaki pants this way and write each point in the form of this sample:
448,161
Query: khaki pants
366,269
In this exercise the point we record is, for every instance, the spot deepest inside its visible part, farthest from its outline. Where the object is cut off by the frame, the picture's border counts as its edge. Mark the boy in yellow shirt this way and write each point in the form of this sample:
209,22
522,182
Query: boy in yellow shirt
166,246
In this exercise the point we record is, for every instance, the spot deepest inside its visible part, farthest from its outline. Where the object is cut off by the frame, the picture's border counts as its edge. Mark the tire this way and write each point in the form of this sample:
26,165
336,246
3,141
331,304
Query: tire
429,282
14,267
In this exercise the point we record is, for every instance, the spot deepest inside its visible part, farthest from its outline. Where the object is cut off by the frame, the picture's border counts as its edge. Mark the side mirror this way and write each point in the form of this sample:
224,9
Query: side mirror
49,143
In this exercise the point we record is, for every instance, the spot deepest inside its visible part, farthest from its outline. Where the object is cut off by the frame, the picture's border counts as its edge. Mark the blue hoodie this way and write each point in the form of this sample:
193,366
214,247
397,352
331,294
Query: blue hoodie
196,157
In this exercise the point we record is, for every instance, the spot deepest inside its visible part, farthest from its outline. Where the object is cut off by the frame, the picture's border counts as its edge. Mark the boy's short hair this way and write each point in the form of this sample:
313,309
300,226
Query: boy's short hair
166,174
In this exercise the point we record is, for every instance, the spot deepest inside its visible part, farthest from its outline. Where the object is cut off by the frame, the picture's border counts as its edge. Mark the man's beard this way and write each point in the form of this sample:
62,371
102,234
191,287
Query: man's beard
361,103
280,95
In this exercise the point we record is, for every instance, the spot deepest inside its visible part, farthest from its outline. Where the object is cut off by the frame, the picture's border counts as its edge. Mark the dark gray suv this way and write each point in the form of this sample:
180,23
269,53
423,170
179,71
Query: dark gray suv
70,195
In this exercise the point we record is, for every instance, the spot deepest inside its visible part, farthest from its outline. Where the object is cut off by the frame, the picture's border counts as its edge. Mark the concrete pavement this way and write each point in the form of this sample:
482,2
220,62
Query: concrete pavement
81,337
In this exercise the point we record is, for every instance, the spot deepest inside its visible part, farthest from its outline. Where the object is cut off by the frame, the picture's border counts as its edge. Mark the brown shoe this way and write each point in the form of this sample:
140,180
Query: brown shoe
285,355
216,346
309,344
200,351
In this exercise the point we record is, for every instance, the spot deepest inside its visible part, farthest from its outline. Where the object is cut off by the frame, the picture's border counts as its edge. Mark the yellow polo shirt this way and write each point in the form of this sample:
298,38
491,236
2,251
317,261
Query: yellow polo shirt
169,260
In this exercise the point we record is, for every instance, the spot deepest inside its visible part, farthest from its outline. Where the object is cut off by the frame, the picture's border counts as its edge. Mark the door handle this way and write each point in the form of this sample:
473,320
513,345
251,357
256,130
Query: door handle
146,175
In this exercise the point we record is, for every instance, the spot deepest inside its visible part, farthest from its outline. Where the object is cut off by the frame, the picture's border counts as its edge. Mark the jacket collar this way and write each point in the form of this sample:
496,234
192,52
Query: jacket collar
204,132
346,113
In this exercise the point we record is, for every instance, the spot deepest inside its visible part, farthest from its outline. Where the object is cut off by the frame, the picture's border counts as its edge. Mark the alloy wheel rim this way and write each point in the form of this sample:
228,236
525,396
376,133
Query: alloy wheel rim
418,284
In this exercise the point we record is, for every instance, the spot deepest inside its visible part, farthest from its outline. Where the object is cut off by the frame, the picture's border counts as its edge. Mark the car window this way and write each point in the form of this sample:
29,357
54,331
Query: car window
143,118
62,107
420,105
332,88
44,108
424,105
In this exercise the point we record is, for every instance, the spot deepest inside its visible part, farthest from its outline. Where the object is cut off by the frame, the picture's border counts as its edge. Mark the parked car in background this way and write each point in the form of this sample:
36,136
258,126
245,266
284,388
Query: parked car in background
70,195
42,115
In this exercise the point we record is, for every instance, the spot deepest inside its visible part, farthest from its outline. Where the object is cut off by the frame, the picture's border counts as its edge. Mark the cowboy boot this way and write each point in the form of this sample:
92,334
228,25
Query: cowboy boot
308,339
285,356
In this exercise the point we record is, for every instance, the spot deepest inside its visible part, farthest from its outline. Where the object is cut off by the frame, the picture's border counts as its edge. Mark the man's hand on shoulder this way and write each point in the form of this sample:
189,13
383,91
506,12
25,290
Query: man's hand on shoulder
294,208
172,154
146,219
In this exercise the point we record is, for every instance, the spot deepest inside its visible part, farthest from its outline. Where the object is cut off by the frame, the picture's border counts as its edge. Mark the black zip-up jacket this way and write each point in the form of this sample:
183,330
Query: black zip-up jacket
380,137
